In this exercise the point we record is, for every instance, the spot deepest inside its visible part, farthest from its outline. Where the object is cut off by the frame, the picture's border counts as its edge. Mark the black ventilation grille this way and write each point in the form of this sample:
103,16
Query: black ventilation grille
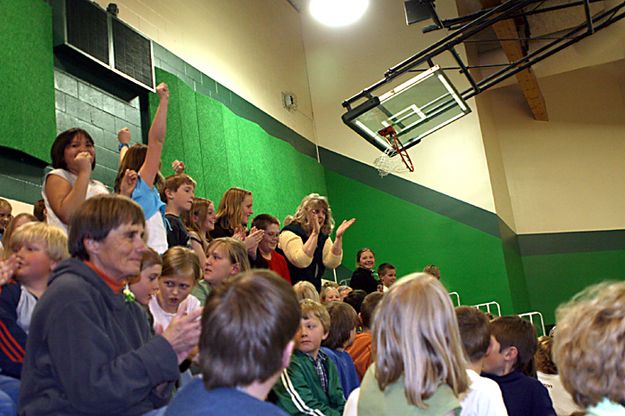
87,29
133,55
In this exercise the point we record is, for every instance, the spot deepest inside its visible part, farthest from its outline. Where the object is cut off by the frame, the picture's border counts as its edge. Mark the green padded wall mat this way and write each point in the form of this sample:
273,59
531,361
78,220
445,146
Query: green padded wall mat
221,150
555,278
27,117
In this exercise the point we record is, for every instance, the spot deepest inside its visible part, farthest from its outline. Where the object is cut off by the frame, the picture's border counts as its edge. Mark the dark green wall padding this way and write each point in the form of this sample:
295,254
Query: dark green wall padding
221,150
555,278
409,236
27,73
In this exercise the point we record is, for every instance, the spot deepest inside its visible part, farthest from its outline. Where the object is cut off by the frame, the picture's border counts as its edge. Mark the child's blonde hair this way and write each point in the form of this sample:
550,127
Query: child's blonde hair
53,237
234,250
306,290
324,292
588,345
312,309
180,260
12,226
415,335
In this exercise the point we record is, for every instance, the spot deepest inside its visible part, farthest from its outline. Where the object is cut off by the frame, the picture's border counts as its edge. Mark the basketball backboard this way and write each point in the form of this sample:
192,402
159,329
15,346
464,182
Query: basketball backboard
415,109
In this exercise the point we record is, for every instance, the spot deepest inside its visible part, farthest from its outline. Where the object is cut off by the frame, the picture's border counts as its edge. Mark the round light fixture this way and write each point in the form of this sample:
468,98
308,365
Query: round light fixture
338,12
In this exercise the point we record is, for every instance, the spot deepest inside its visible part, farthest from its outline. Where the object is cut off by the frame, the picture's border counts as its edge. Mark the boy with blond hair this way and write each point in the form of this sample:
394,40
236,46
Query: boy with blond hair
178,194
33,251
36,248
311,385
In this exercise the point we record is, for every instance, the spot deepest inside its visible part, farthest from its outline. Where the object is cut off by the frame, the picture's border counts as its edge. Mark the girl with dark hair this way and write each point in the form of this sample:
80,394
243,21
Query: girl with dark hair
70,183
364,276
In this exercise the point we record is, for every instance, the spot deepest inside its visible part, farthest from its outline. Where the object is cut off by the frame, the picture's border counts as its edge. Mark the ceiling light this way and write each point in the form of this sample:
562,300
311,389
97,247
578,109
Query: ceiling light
338,12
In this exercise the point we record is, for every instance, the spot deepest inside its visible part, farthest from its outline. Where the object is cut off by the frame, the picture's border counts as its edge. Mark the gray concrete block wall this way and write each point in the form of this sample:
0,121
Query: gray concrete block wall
80,104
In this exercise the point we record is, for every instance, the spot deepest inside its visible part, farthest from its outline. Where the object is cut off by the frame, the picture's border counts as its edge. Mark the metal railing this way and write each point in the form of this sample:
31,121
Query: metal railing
456,296
488,306
530,317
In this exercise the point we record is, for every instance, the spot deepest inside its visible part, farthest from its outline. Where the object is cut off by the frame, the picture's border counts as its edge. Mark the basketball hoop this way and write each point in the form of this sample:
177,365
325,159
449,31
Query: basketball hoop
384,163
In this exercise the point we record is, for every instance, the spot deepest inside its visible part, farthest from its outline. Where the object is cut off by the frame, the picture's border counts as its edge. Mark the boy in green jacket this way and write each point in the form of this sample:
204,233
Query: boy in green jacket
311,385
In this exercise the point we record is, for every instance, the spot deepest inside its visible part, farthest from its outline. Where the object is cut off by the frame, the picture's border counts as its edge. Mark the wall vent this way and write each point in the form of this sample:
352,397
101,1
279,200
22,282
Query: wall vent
94,41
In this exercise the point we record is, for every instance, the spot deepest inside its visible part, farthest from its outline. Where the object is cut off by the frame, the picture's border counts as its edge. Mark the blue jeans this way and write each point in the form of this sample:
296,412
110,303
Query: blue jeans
9,395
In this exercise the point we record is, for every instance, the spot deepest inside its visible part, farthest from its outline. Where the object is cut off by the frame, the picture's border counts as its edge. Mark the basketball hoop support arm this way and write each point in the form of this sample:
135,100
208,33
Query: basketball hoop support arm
486,19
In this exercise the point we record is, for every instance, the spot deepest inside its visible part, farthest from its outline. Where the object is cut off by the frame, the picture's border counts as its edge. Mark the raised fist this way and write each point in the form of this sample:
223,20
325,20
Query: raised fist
162,90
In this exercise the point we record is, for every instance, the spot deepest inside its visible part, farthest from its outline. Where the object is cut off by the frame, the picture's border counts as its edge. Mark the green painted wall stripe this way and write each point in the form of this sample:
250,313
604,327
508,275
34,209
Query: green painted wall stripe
571,242
412,192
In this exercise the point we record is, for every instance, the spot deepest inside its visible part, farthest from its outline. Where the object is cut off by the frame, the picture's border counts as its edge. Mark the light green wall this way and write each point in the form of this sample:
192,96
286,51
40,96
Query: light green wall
221,150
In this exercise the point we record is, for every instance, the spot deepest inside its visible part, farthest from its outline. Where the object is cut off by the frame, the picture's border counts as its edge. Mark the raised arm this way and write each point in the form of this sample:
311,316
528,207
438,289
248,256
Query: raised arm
123,136
337,247
156,137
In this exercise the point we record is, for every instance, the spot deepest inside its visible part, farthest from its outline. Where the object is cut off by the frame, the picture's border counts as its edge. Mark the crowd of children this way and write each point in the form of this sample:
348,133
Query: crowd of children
119,323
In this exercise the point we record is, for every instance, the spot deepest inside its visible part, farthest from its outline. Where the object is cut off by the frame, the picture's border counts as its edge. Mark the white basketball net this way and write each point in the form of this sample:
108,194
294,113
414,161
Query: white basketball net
386,164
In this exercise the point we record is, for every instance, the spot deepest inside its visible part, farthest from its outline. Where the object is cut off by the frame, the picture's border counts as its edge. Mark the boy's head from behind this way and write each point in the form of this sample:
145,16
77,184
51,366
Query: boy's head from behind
38,248
248,325
474,332
588,344
315,326
514,345
355,298
178,192
367,309
343,322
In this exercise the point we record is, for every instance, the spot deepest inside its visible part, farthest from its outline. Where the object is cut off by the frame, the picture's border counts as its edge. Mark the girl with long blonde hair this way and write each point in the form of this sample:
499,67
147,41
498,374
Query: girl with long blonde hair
419,364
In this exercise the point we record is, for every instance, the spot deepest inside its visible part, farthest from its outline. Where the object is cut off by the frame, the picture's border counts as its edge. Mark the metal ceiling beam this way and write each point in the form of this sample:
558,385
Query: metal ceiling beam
507,10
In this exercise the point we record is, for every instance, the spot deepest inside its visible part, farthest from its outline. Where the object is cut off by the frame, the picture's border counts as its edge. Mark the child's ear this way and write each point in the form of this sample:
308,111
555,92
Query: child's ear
236,268
286,354
169,194
53,264
511,354
325,335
